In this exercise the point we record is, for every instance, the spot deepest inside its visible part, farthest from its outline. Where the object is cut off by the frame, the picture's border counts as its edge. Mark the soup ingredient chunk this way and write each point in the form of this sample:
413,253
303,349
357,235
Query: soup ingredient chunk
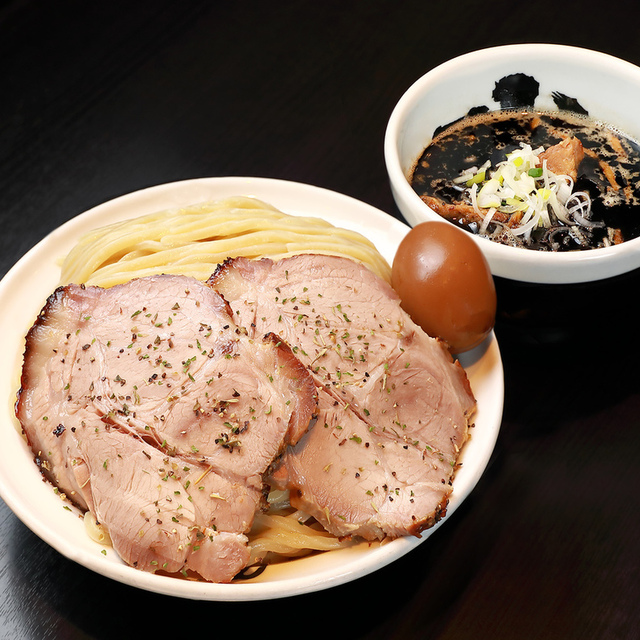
394,407
149,406
445,284
563,158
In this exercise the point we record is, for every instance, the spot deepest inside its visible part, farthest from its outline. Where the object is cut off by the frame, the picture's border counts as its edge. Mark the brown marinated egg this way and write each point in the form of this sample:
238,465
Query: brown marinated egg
445,284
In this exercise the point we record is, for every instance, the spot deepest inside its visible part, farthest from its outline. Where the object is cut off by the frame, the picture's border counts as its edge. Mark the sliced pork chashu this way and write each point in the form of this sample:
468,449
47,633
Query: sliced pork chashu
394,407
147,404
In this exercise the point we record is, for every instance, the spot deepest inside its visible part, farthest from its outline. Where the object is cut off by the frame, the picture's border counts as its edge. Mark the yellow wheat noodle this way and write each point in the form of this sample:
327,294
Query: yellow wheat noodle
193,240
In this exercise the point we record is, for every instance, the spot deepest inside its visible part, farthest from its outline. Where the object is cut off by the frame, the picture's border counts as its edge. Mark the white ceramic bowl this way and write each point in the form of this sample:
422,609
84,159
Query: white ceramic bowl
607,87
24,290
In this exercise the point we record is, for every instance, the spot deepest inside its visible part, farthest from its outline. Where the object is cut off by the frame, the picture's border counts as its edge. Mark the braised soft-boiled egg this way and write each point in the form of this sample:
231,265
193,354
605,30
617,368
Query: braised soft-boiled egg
445,284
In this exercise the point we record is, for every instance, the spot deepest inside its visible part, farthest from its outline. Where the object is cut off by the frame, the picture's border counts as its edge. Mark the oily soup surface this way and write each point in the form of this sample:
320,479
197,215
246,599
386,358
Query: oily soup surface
609,172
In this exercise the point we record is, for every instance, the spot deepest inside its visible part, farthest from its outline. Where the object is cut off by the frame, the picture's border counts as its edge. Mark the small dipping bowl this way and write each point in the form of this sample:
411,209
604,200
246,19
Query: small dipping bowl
547,293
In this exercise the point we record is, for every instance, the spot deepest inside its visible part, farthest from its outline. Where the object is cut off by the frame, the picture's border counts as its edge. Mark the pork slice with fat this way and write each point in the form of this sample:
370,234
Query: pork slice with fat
394,407
147,404
564,158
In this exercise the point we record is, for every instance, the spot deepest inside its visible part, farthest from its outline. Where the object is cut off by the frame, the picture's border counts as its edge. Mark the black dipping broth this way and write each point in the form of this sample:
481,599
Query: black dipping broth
609,172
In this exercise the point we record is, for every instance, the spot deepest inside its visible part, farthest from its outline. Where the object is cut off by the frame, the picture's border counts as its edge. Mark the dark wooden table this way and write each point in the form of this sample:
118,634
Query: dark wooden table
98,99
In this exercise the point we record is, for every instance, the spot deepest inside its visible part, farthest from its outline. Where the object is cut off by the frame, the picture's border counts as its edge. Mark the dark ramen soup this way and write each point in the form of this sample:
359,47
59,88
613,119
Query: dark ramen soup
552,181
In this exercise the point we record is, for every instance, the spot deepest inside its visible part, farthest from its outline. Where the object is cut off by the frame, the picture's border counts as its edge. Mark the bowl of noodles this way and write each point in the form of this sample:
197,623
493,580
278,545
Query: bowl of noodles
531,148
139,234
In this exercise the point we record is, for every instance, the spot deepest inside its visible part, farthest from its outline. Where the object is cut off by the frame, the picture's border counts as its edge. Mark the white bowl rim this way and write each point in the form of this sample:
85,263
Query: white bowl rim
515,262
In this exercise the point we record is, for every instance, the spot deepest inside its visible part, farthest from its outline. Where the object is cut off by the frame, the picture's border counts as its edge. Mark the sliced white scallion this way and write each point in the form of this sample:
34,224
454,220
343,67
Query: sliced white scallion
579,206
488,196
527,227
487,220
474,201
523,185
465,177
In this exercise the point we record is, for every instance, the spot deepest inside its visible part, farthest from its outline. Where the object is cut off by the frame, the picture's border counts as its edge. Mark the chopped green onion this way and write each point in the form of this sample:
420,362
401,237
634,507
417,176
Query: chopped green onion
477,179
545,194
